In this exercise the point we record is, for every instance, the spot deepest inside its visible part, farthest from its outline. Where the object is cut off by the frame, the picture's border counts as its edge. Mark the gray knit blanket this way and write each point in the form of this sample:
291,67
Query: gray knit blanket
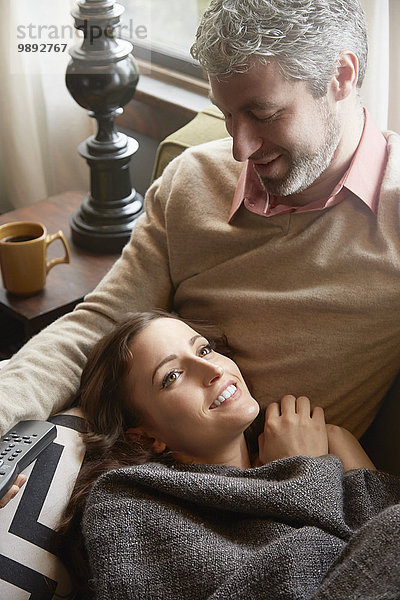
295,529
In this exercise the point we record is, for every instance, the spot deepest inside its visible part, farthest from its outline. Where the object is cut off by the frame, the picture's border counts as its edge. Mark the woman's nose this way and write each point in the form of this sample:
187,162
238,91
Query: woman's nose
211,373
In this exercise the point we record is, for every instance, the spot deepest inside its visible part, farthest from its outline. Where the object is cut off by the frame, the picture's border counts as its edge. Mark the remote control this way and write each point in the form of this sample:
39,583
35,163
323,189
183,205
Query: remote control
20,446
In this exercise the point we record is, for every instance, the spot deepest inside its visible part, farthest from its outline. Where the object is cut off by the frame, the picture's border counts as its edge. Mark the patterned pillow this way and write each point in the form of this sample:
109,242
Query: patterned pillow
29,567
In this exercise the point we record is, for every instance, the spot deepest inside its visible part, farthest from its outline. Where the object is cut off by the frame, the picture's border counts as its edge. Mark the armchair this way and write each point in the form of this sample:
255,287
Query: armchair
28,561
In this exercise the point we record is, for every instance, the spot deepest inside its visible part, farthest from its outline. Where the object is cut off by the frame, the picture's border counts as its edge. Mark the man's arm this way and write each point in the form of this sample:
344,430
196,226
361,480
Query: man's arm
44,375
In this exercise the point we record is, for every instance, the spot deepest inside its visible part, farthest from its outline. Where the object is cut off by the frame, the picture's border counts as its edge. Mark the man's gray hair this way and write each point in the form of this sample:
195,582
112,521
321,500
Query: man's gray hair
306,37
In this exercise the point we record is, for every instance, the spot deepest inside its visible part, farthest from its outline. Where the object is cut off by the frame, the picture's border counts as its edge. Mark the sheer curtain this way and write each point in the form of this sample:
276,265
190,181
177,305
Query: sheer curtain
41,125
381,89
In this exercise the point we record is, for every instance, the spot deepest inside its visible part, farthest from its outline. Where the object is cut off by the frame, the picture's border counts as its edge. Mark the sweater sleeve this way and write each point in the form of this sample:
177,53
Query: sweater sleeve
44,375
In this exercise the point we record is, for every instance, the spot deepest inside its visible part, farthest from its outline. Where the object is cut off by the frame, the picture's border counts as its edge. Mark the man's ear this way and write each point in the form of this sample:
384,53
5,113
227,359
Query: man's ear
136,434
346,75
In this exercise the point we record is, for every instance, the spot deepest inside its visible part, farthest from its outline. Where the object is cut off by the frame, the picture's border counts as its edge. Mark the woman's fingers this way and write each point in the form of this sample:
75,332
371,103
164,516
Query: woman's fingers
293,428
291,405
13,491
272,410
303,406
318,414
288,404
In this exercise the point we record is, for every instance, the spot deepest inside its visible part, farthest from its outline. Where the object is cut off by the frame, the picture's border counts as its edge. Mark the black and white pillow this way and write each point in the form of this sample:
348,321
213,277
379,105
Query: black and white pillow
29,566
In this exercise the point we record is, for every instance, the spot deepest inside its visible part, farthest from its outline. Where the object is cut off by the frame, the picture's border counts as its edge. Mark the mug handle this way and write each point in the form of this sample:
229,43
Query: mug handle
57,261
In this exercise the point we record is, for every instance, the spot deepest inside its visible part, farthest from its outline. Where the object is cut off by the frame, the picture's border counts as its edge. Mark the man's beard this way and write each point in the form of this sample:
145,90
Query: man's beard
305,168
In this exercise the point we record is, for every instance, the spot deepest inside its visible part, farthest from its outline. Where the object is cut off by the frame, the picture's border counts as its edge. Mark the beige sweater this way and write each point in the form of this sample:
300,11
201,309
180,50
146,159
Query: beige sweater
310,302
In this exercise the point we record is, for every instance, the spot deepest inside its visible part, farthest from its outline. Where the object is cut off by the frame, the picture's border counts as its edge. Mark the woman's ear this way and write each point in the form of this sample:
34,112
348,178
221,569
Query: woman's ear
136,434
159,446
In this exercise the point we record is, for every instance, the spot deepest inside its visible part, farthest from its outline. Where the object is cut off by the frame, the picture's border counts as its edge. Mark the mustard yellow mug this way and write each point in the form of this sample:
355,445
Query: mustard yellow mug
23,256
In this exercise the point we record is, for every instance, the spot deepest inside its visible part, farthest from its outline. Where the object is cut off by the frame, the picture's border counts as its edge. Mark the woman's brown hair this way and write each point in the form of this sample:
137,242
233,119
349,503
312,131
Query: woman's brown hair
102,395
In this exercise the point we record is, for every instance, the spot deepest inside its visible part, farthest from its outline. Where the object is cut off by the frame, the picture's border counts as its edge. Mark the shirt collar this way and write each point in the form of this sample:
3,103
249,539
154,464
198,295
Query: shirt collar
363,179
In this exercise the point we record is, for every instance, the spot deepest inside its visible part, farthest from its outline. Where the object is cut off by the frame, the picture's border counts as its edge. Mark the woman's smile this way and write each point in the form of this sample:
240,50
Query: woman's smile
231,392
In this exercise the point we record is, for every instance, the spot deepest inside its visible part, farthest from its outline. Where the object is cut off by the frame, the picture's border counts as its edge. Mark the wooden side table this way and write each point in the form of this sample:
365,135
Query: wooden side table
66,285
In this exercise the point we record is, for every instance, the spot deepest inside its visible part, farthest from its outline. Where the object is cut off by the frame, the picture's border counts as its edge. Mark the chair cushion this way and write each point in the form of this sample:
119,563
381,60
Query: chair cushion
207,125
382,440
29,566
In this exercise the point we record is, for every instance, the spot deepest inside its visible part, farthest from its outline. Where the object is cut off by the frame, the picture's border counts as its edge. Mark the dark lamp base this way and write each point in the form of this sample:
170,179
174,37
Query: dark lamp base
104,235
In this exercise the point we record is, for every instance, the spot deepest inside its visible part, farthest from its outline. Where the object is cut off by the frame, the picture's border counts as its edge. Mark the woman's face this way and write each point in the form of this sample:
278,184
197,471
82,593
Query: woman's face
192,398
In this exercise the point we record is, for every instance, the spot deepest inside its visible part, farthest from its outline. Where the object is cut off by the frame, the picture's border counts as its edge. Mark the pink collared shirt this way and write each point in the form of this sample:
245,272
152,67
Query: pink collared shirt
363,179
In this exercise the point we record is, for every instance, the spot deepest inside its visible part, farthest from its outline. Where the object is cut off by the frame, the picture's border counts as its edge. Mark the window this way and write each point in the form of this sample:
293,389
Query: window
162,31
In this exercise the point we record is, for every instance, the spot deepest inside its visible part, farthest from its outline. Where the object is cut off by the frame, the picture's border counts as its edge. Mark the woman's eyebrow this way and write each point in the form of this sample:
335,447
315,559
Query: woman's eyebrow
194,338
165,360
173,356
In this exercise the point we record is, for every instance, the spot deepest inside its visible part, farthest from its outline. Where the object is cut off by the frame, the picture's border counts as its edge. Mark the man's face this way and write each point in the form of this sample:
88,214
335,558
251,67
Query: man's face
288,135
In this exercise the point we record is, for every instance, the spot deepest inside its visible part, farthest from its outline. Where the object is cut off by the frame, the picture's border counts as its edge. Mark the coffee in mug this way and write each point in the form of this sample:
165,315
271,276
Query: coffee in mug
23,256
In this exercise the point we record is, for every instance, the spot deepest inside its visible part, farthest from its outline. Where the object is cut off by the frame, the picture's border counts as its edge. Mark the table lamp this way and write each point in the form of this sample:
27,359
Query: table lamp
101,77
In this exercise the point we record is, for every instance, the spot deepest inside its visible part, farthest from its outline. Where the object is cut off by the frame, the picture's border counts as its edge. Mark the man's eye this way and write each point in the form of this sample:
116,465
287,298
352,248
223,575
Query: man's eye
169,378
264,118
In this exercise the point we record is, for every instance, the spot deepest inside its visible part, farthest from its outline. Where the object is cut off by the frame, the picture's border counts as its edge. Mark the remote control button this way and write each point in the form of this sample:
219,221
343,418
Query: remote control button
10,458
18,450
2,472
26,437
6,439
28,441
12,445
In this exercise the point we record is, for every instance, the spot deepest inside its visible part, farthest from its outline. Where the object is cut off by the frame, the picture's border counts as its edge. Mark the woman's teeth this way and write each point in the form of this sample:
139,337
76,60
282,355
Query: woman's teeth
227,393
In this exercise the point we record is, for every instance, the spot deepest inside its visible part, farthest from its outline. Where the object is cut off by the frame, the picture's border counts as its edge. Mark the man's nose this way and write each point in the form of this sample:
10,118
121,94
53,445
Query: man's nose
246,139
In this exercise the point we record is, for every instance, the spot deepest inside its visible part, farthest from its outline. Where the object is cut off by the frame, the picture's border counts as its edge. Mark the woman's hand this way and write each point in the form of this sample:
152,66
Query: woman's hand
13,491
292,429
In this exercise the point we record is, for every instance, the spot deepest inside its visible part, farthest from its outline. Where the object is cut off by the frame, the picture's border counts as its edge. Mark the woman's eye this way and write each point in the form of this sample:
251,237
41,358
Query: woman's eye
169,378
204,350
